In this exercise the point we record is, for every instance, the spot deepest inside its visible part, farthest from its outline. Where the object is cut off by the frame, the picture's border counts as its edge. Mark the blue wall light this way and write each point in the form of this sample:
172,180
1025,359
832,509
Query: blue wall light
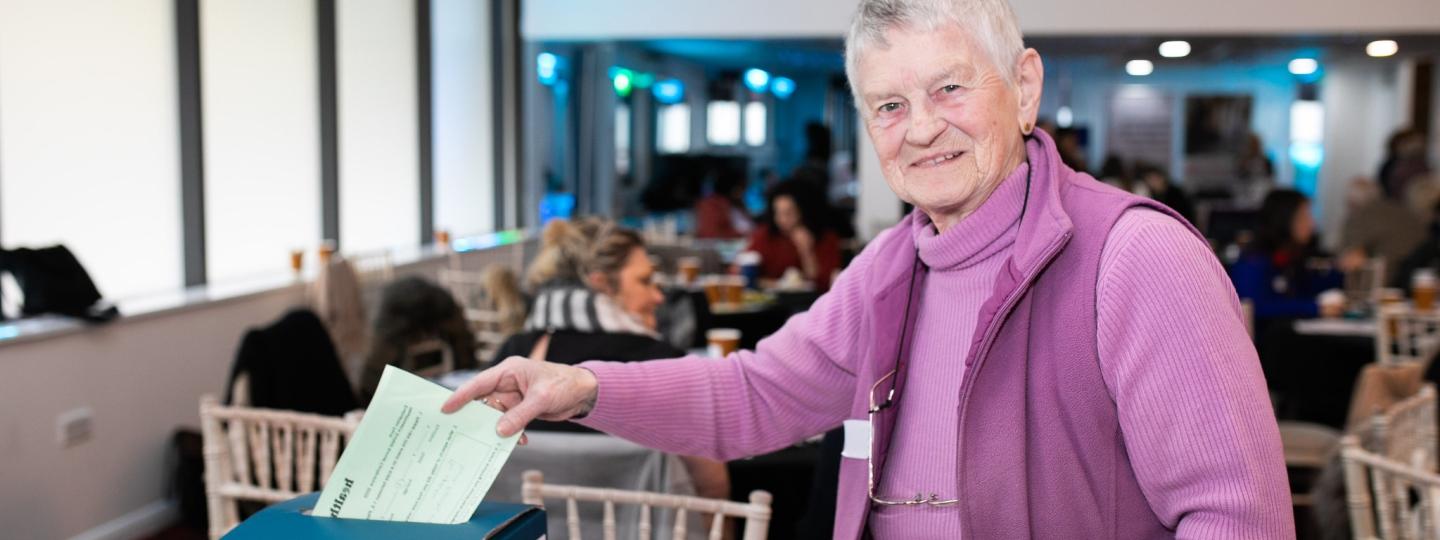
782,87
757,80
547,68
669,91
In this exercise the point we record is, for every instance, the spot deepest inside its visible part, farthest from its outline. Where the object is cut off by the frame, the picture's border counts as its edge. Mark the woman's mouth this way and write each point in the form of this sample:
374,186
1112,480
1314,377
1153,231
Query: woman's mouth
936,161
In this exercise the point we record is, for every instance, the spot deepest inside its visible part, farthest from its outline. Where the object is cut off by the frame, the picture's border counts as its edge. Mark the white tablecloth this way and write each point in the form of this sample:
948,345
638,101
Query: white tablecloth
1336,327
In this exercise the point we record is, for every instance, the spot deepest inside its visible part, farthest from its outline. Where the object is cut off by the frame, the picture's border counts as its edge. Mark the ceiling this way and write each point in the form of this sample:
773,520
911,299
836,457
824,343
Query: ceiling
826,55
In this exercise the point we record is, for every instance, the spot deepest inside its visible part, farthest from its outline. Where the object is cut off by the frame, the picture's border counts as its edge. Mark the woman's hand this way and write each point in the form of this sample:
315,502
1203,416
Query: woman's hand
805,247
803,240
529,389
1353,259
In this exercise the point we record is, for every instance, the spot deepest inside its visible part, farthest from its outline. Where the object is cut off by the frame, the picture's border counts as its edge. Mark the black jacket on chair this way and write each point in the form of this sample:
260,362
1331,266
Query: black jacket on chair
292,365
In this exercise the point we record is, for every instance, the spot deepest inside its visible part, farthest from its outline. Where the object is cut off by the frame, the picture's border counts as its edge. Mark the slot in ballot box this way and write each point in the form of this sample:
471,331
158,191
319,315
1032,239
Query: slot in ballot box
292,519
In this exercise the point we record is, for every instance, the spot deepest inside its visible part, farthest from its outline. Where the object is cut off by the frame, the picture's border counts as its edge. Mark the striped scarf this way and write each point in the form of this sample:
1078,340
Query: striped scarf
581,310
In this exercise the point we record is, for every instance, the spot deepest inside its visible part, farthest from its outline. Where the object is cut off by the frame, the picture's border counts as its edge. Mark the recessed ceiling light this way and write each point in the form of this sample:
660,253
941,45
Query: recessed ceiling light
1139,68
1175,49
1304,66
1064,117
1382,48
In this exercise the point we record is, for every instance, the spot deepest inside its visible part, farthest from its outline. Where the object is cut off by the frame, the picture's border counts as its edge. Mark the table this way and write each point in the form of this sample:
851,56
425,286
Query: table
754,321
1335,327
1312,374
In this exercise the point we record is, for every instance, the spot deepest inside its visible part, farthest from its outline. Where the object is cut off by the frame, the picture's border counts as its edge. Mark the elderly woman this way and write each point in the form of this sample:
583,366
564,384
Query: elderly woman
1030,354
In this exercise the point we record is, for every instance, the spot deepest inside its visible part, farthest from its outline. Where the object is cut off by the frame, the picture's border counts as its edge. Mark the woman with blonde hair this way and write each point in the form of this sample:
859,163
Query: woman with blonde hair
595,297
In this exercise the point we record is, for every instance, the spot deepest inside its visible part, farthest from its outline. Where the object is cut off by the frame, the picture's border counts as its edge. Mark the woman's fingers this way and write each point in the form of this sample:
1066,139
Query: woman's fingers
520,414
525,390
481,385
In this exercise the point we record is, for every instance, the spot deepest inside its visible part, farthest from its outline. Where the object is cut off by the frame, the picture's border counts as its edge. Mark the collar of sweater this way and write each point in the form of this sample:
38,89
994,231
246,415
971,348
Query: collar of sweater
984,233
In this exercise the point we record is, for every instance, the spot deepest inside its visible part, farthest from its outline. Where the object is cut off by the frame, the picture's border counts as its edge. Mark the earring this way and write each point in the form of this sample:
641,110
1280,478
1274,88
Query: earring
1027,128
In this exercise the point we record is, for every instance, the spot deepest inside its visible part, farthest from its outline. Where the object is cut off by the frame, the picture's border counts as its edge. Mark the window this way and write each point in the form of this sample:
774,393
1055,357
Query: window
379,122
673,133
755,126
622,139
464,196
722,123
88,143
261,135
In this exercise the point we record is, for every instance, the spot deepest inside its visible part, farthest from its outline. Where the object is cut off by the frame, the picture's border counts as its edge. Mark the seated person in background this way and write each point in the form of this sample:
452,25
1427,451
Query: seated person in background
1157,182
1114,172
792,234
1425,255
1379,227
1275,273
596,300
721,214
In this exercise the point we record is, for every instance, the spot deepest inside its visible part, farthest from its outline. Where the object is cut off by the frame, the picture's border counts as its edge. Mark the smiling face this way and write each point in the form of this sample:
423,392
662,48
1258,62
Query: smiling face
947,125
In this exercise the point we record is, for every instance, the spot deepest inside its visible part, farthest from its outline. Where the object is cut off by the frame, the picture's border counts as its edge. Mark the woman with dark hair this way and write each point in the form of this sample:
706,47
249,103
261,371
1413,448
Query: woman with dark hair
793,234
1157,181
1425,255
1274,274
1404,161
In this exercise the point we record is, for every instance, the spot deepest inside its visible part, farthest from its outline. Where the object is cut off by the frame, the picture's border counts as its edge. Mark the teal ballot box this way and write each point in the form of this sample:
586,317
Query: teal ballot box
292,519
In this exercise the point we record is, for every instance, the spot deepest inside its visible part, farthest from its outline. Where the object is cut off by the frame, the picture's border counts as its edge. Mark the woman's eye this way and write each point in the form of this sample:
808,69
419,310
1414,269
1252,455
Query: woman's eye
950,88
889,107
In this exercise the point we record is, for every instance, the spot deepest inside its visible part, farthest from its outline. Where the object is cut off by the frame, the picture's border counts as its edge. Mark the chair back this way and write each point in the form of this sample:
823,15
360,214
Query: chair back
1406,431
1404,335
756,513
265,455
374,270
425,347
470,291
601,461
1387,498
373,267
1364,283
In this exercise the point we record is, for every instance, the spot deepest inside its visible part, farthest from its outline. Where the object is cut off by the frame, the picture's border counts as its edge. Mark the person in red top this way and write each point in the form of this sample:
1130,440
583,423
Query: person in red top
792,234
721,215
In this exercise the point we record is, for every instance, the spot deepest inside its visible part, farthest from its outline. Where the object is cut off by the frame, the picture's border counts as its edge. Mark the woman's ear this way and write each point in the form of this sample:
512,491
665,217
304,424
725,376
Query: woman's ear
1029,80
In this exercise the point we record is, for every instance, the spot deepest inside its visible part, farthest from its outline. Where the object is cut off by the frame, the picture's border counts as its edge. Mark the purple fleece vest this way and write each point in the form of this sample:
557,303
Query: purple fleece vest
1040,451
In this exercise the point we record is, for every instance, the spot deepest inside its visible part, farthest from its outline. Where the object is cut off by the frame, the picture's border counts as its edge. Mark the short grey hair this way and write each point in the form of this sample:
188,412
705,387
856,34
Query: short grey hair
991,22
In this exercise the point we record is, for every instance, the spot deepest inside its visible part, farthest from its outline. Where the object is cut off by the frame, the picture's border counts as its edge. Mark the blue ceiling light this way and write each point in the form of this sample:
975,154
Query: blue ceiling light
669,91
757,80
782,87
547,68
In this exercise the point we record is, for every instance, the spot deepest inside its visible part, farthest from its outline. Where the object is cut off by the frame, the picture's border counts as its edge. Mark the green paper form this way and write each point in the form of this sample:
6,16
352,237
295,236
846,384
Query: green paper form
409,462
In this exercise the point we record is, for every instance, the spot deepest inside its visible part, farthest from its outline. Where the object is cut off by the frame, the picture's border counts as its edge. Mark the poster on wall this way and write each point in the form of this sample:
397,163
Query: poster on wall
1141,125
1217,128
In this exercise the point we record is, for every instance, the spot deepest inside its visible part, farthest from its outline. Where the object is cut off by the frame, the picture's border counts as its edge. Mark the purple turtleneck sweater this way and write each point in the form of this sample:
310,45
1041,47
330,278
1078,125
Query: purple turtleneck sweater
1201,461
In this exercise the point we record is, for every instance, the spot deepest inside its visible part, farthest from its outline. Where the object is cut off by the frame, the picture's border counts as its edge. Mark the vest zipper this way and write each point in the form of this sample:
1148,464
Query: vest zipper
991,331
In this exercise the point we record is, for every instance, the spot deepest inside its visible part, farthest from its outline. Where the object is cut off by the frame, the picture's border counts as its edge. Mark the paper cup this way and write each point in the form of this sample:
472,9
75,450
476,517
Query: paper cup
722,341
